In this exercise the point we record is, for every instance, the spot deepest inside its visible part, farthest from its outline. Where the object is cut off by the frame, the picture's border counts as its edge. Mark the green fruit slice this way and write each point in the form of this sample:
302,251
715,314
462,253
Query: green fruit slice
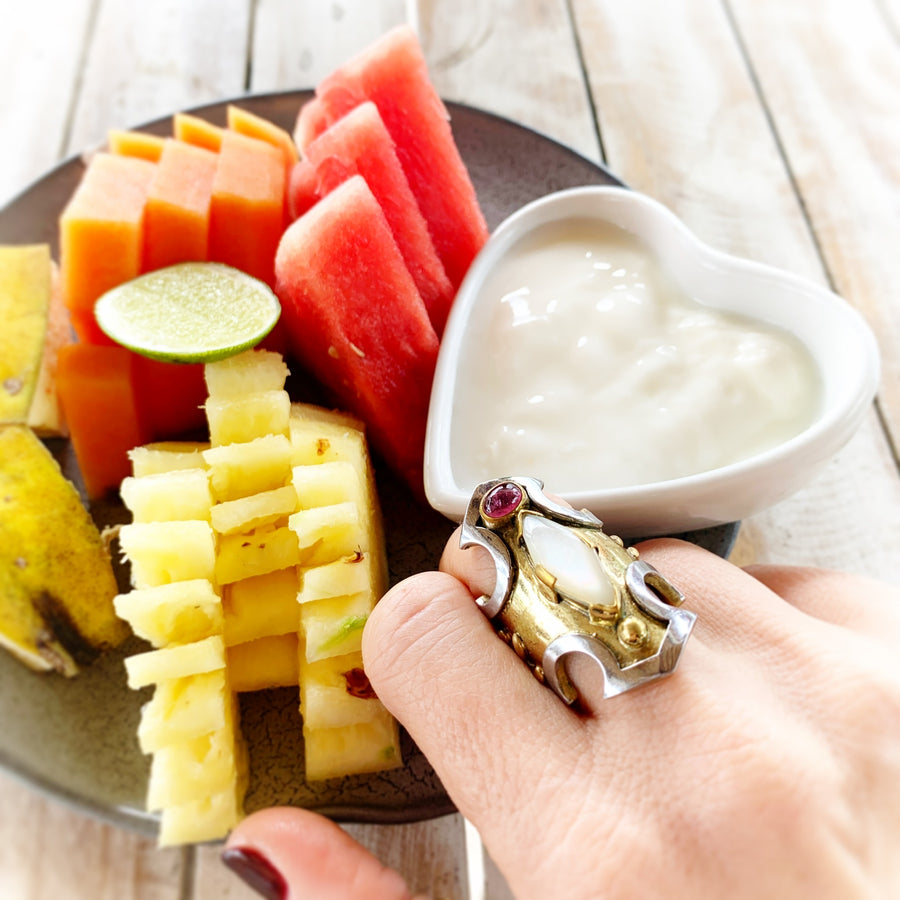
191,312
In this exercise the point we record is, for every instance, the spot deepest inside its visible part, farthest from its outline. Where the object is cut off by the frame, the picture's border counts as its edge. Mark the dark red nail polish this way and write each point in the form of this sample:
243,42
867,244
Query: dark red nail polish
256,871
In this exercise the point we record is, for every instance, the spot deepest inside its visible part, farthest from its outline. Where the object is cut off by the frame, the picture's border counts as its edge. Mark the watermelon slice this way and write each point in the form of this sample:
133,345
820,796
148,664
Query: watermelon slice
393,74
360,144
312,120
355,319
303,189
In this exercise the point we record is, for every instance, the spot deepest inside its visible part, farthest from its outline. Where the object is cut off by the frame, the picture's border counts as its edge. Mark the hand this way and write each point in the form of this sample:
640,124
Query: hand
767,765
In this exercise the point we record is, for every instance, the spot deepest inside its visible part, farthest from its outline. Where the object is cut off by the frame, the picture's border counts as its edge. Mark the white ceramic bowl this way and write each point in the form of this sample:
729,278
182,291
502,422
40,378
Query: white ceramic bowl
839,340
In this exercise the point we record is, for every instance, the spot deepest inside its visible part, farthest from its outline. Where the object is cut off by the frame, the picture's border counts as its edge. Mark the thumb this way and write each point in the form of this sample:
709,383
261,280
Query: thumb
286,854
468,702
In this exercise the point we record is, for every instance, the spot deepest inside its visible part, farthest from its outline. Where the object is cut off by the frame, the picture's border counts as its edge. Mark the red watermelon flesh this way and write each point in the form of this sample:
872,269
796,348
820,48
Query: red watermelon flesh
359,144
356,321
312,120
303,191
393,74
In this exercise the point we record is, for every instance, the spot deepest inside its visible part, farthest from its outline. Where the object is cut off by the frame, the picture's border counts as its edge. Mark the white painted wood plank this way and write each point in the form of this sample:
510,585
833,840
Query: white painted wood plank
831,84
146,60
516,58
50,852
295,45
40,55
681,121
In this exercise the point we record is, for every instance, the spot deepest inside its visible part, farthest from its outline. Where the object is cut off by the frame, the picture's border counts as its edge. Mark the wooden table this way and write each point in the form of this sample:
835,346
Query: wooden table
772,127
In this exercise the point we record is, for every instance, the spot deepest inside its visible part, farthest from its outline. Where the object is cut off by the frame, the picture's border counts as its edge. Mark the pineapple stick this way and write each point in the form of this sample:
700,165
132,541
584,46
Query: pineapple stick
179,612
190,727
346,729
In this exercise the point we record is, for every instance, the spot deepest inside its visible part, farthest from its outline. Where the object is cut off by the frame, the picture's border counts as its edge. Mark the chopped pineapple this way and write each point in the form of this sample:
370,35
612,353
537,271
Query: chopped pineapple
327,533
335,692
167,496
334,627
321,435
178,612
246,373
166,456
247,513
213,816
364,747
238,421
261,606
349,575
239,470
190,770
184,708
267,662
246,555
162,552
206,819
327,484
175,661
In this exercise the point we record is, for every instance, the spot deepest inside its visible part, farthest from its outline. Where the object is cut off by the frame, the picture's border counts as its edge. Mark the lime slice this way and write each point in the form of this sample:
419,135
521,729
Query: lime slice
190,312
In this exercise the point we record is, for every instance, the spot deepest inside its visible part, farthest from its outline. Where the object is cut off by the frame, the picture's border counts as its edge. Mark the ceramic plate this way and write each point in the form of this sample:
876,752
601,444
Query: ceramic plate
76,738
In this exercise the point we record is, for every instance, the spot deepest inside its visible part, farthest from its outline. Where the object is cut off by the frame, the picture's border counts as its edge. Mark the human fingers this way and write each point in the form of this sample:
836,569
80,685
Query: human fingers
851,601
287,854
469,703
735,611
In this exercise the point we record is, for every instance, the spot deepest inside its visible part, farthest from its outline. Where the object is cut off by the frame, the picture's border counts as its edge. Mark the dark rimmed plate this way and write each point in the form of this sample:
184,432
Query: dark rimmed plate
75,739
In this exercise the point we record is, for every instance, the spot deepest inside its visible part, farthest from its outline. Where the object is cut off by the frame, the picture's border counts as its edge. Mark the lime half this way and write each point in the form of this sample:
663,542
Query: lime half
190,312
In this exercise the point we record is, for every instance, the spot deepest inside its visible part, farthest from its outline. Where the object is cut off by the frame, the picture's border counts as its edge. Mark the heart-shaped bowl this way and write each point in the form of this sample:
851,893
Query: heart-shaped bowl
837,338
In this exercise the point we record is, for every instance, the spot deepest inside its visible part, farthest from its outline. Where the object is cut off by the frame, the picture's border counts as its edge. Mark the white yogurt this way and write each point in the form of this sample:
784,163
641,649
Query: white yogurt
597,370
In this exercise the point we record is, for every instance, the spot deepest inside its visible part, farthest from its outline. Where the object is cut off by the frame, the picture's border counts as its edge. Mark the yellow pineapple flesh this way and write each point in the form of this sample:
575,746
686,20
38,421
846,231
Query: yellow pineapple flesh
184,708
248,513
163,552
261,606
166,456
241,470
188,770
335,692
177,495
178,612
267,662
175,661
371,746
259,552
339,587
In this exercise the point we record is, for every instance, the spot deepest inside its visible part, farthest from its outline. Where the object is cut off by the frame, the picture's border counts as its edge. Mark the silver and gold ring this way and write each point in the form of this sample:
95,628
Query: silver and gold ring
565,587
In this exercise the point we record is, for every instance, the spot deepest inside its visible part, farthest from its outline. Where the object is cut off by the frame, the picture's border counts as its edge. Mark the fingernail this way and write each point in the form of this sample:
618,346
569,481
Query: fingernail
256,871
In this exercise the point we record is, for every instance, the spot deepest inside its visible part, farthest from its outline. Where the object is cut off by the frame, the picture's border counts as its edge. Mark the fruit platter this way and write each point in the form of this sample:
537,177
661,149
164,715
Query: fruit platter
77,737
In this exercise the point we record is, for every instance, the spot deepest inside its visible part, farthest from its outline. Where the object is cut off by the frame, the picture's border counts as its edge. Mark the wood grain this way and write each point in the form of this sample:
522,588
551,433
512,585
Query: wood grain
146,60
516,58
295,45
839,125
40,69
48,850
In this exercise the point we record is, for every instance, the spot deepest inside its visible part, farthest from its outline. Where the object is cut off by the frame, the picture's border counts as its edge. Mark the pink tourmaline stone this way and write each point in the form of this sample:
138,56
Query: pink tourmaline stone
501,500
